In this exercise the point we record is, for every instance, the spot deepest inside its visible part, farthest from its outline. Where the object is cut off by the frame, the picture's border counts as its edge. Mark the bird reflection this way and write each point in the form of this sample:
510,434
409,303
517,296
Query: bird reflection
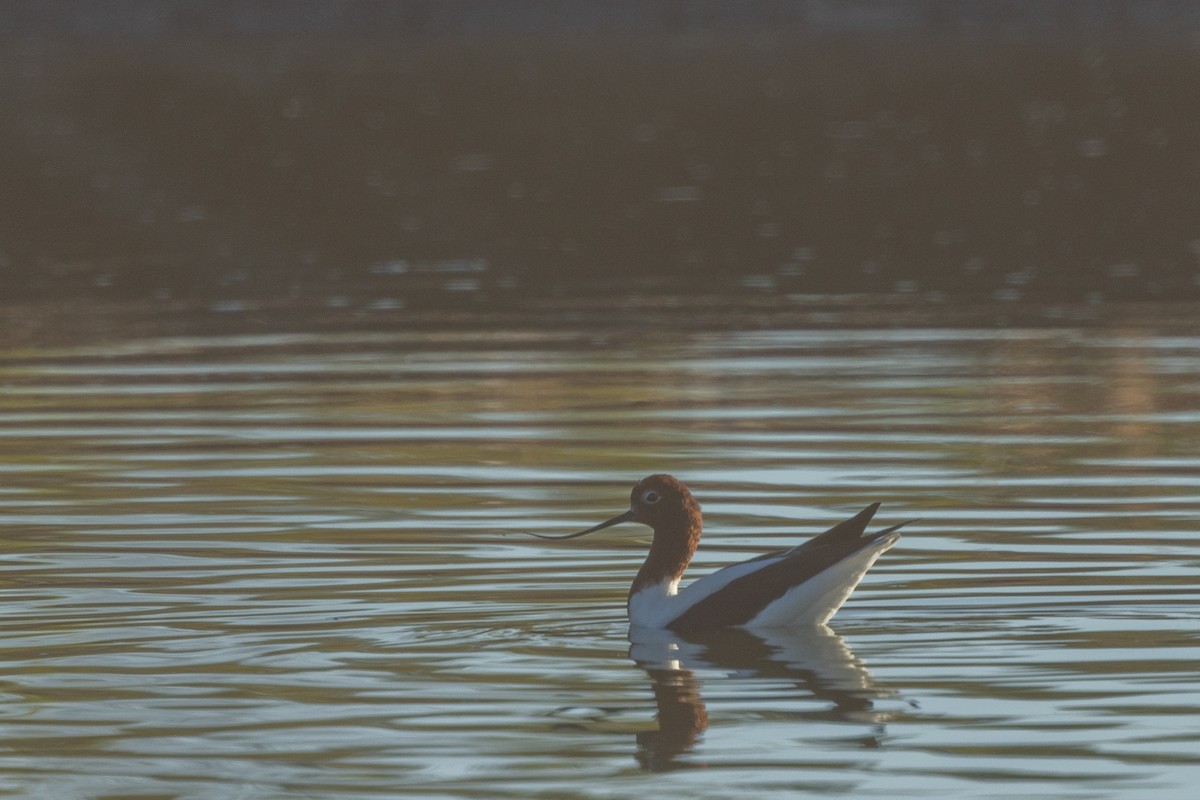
816,660
681,717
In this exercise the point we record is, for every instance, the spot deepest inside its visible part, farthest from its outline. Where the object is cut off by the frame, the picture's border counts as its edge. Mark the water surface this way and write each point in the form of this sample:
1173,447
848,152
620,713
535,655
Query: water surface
244,561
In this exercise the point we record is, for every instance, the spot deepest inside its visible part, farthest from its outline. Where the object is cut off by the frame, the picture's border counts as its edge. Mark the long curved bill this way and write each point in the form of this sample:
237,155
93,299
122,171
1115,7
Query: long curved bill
617,520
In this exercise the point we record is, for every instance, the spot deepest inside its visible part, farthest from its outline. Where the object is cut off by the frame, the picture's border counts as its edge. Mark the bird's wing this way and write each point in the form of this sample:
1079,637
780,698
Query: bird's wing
751,585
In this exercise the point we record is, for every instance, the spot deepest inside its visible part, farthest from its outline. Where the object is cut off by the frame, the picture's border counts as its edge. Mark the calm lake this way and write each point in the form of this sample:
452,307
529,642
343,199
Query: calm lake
257,551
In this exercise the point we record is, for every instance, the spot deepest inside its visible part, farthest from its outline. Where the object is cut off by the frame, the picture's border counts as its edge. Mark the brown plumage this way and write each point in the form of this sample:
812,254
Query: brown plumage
675,518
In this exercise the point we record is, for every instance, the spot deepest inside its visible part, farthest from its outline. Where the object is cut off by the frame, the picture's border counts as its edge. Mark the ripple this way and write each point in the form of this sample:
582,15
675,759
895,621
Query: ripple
294,555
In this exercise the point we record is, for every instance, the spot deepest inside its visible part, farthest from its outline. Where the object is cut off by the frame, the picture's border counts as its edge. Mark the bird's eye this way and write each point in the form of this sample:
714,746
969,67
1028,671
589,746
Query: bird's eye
650,497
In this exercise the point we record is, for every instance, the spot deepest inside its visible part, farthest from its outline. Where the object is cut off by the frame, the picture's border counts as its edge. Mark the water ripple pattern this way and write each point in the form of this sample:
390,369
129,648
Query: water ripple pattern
264,564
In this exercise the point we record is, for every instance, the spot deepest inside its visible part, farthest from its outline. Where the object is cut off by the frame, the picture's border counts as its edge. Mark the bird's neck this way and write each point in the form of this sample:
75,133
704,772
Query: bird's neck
670,553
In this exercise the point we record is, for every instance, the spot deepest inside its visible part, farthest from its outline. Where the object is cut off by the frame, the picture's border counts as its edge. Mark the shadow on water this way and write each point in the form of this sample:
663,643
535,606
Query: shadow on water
812,663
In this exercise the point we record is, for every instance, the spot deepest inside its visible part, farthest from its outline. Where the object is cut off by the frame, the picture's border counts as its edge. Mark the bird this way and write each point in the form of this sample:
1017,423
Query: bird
801,586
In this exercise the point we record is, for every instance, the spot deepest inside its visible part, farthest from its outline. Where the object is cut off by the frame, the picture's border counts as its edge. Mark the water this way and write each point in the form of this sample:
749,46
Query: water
242,561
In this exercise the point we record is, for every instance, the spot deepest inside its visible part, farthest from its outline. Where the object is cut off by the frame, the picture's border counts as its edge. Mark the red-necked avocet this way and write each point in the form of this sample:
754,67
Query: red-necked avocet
804,585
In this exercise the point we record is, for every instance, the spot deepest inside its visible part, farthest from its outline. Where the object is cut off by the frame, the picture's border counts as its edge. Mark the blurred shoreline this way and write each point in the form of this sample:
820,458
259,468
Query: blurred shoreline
320,18
989,151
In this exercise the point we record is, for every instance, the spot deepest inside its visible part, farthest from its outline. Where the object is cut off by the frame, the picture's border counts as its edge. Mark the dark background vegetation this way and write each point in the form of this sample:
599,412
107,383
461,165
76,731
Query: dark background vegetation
999,150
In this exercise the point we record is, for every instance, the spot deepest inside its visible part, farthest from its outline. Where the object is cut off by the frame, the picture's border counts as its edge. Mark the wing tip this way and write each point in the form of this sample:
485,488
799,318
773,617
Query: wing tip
867,514
889,535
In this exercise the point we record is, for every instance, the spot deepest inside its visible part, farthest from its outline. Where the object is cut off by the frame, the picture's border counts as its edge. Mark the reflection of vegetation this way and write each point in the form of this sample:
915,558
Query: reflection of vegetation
1009,405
